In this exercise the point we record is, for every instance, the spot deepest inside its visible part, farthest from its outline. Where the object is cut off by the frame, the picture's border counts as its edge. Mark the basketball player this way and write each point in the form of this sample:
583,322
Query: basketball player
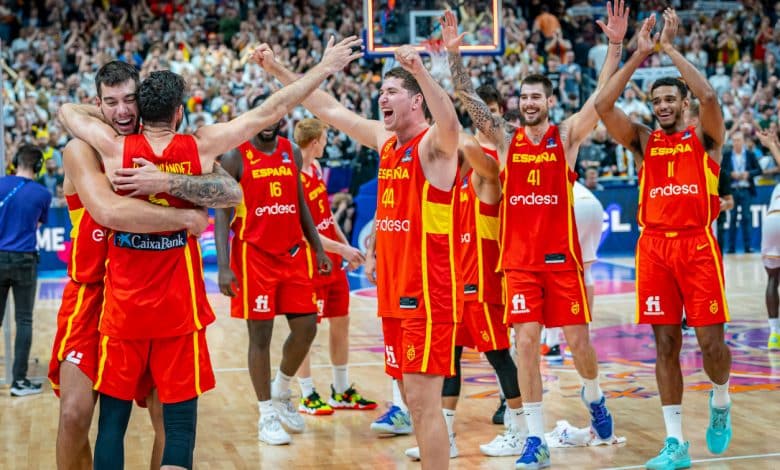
311,135
770,247
419,287
678,261
542,263
166,320
93,207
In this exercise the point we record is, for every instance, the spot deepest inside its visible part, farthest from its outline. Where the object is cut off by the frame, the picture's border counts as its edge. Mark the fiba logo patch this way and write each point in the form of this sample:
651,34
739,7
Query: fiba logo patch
390,357
653,305
261,304
74,357
518,304
575,308
410,352
714,307
320,306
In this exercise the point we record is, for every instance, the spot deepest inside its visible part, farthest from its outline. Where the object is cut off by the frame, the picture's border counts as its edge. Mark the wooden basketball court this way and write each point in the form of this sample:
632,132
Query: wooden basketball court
227,427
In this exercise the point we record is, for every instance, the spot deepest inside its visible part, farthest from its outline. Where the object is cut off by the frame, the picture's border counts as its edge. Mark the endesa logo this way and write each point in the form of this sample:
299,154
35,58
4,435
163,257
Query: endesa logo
674,190
325,224
393,225
534,199
276,209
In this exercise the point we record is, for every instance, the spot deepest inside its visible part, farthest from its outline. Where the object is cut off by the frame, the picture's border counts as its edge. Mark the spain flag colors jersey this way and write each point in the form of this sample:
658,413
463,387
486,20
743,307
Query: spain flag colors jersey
316,194
268,216
678,183
418,260
89,247
479,231
154,282
538,231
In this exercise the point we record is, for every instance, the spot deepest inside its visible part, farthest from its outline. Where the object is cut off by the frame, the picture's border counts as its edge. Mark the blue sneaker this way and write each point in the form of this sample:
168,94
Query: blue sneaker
719,430
535,454
600,418
394,421
673,456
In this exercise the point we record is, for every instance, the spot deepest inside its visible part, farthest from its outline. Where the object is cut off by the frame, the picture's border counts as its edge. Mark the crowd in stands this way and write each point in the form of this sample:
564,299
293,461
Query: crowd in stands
52,49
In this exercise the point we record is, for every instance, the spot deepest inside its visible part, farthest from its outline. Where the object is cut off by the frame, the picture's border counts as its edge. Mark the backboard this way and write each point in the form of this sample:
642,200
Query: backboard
392,23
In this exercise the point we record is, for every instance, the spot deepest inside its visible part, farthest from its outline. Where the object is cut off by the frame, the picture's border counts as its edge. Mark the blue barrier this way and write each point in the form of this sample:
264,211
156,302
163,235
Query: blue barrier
619,235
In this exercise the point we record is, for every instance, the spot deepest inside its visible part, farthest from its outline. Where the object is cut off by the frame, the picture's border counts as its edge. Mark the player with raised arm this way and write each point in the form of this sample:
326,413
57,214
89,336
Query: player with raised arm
542,261
419,294
677,259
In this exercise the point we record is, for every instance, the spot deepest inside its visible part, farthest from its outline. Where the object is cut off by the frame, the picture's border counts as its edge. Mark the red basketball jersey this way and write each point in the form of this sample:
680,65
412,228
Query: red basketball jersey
89,247
154,282
269,216
316,194
678,183
418,261
538,230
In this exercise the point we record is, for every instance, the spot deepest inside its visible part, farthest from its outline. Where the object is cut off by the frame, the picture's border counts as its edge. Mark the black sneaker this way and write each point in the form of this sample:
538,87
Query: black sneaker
554,354
22,388
498,416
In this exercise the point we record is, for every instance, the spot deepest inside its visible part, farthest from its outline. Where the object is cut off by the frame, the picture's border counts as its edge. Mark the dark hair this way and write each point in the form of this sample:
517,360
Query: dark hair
512,115
671,81
257,101
30,157
409,83
538,79
114,73
159,96
489,94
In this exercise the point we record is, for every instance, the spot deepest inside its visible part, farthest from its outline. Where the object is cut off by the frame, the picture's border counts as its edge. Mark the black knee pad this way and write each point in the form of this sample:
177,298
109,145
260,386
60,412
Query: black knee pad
180,420
506,371
112,424
451,387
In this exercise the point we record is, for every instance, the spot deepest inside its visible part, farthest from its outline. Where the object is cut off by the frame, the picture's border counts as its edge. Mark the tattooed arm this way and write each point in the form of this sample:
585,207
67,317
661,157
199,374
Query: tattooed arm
493,127
215,189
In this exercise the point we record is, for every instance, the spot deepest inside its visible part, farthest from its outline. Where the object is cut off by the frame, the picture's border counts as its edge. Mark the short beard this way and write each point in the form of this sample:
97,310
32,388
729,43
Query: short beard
543,115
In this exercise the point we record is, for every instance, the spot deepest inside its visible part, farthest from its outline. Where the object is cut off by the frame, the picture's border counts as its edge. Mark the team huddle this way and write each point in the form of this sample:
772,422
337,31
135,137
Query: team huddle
473,235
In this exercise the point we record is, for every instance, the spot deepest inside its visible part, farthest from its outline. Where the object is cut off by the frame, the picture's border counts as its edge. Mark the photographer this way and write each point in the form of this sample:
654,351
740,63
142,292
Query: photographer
24,204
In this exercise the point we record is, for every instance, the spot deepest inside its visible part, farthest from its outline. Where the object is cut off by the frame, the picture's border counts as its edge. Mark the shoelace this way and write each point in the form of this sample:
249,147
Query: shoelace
719,418
670,448
529,450
599,413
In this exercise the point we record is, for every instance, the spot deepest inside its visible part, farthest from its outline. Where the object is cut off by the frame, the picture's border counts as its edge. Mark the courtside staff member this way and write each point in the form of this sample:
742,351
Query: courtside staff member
24,204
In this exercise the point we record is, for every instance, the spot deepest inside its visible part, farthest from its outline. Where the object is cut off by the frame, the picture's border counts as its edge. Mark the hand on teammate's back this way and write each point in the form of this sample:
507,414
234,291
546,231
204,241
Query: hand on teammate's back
141,180
198,220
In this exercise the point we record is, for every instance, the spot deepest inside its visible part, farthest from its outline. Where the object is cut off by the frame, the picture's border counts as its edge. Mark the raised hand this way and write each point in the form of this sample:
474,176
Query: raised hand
645,42
617,22
767,138
671,23
337,56
409,59
263,56
449,31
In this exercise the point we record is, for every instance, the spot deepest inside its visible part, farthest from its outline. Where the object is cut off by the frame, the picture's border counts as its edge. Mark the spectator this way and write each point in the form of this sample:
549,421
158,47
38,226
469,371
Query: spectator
592,180
720,81
742,166
23,206
52,177
634,107
547,23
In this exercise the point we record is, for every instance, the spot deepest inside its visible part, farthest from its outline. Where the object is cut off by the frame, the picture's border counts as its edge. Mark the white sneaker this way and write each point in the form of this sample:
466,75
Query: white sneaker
509,443
270,431
288,413
414,452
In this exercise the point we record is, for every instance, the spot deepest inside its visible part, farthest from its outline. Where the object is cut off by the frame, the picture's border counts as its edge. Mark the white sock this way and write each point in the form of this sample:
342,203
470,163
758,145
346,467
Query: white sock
552,337
593,391
673,421
774,325
398,399
307,386
720,395
534,418
449,420
340,378
266,408
280,384
515,417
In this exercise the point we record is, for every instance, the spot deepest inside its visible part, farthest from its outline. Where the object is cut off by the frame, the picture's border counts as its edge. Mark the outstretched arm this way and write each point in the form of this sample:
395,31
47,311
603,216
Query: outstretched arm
485,176
217,139
109,209
215,189
580,124
493,127
444,132
626,132
327,108
712,123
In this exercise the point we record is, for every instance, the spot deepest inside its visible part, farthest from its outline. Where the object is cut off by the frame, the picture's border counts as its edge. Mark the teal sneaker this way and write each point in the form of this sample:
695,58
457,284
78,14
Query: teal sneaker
535,454
673,456
719,430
